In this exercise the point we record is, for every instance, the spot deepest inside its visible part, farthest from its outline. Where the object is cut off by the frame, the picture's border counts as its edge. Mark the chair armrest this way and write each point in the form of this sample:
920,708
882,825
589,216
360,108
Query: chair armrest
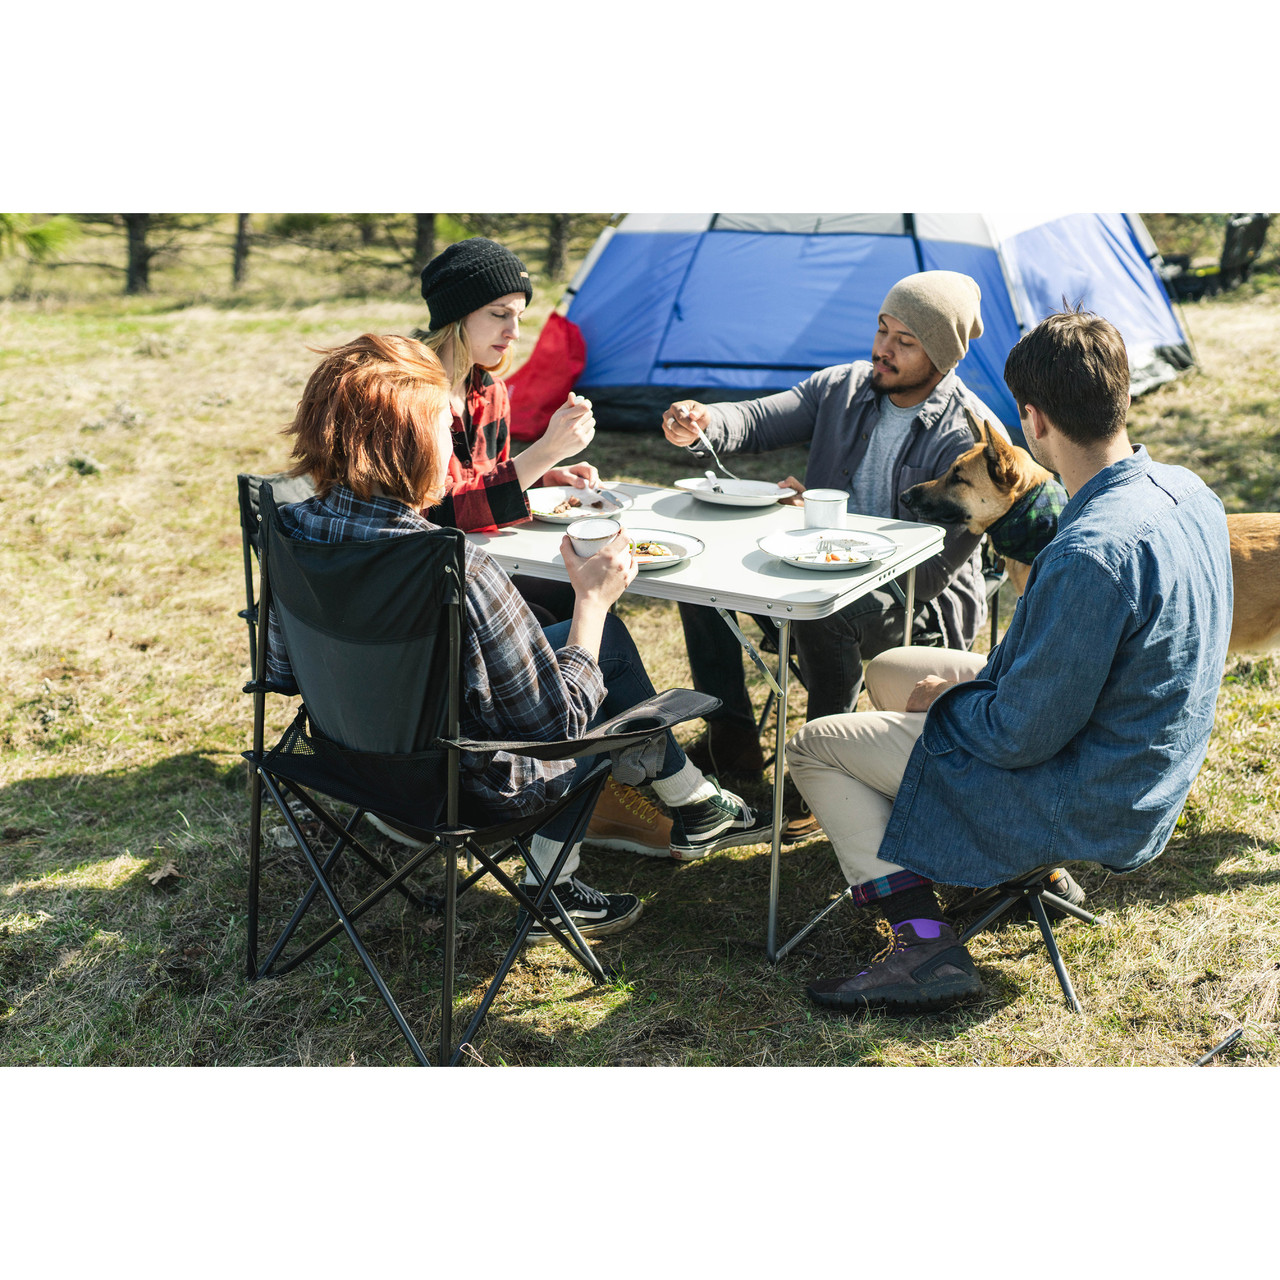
637,724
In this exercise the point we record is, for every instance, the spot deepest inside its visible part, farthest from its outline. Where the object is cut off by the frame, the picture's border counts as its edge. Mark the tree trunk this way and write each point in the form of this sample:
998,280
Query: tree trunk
240,257
424,243
137,276
558,244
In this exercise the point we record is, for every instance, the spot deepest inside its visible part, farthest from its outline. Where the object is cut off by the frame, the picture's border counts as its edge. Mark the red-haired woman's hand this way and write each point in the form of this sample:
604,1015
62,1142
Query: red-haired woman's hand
602,577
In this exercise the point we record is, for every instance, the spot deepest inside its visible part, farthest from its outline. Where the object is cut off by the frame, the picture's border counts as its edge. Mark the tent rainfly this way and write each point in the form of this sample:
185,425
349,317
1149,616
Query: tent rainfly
730,306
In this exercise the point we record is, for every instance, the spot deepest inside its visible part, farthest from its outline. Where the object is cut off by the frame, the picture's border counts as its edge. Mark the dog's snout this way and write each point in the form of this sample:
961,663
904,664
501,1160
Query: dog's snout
910,497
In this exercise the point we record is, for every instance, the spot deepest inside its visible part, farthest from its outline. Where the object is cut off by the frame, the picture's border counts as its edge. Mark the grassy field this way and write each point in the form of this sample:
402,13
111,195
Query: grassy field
122,426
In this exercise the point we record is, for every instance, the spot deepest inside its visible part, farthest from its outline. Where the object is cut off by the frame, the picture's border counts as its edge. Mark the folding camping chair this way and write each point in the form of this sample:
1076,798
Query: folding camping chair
1032,890
373,632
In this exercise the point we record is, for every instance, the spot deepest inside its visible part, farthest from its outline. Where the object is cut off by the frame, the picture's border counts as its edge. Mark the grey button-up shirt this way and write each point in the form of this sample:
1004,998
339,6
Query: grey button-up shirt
835,412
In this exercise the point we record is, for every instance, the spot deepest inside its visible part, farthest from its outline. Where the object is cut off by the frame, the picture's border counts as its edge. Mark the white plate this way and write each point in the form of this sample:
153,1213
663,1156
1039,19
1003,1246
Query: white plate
683,546
542,501
799,547
737,493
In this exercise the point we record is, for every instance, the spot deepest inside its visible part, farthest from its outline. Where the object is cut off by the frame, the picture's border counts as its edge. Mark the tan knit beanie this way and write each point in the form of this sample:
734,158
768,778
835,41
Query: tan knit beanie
941,309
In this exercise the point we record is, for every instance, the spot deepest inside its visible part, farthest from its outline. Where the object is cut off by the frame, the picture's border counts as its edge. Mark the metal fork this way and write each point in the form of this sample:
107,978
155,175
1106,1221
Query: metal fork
707,445
849,545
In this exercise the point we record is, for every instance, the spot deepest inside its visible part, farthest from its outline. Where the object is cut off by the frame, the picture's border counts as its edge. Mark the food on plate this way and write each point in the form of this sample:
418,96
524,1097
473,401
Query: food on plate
651,550
833,557
599,502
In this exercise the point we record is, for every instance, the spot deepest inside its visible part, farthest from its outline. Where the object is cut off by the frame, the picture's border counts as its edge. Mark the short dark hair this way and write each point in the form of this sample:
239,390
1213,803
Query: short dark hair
368,417
1073,367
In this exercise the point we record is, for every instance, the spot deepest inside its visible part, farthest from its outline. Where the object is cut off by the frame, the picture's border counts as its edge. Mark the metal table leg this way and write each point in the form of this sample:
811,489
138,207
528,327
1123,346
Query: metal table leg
779,686
778,683
776,953
775,857
911,605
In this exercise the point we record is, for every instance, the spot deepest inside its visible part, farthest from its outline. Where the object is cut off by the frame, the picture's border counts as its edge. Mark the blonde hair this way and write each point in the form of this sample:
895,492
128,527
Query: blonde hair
461,361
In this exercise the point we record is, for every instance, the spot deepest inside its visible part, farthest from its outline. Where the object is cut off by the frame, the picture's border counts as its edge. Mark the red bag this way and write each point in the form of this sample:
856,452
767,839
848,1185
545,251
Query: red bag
542,384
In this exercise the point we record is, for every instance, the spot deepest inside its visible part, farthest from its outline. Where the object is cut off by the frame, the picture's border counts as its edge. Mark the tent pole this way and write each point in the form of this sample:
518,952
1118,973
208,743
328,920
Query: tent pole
909,224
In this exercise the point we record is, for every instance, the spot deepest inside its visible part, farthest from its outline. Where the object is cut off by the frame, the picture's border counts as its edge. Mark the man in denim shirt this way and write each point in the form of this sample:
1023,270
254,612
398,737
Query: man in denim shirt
1081,734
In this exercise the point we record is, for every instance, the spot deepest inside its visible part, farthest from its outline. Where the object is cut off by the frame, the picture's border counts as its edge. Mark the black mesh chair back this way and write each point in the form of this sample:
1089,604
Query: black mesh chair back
286,489
370,658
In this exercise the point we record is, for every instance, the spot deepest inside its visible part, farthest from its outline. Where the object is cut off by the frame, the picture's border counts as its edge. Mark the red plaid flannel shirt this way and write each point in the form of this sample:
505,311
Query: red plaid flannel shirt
484,491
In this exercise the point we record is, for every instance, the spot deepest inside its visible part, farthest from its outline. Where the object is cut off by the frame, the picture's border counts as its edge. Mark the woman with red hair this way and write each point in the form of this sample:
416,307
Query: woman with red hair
374,432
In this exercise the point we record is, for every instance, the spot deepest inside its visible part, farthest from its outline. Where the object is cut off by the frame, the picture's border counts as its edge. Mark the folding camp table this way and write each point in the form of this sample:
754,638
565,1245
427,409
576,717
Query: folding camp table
734,574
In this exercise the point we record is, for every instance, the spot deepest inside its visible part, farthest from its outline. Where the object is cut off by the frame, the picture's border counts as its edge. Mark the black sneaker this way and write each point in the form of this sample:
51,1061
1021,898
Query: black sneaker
596,914
723,822
912,974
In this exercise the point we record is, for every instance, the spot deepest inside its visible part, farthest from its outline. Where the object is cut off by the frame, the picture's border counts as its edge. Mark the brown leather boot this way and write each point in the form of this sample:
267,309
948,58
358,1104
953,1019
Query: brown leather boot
626,822
800,822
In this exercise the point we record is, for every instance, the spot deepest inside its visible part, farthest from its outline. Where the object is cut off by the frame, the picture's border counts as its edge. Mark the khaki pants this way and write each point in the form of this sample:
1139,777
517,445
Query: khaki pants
849,767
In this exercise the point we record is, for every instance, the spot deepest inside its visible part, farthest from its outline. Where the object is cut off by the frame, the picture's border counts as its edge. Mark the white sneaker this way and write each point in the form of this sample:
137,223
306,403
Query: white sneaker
392,834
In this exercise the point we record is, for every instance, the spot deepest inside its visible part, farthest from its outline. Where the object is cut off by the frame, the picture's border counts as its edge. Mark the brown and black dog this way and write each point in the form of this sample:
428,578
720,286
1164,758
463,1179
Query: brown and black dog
994,478
981,488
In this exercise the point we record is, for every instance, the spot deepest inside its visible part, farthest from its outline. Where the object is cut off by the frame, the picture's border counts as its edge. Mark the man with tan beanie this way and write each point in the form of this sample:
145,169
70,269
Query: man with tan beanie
873,429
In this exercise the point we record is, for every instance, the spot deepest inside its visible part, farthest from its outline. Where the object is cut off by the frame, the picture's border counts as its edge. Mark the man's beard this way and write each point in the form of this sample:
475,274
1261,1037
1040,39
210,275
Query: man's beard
878,384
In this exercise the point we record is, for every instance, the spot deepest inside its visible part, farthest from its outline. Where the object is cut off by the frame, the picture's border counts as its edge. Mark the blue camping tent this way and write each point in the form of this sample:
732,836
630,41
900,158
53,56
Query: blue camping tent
732,306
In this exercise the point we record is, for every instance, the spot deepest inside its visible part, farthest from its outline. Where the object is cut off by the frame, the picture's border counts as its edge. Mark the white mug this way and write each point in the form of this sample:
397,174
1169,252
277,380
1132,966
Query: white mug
589,535
824,508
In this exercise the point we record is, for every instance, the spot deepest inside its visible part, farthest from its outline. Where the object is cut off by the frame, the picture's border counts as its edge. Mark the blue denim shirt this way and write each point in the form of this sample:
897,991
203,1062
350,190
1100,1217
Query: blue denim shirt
1081,736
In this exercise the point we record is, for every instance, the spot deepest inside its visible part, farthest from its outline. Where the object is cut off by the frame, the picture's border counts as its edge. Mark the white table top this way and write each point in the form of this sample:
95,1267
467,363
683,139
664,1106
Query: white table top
733,572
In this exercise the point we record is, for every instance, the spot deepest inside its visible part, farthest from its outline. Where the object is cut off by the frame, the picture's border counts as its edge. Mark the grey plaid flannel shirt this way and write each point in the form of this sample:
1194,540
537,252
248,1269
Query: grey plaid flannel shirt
515,684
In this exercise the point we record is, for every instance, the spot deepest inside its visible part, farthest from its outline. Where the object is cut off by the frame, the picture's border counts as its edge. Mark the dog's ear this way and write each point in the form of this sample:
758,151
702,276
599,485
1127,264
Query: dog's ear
977,426
998,454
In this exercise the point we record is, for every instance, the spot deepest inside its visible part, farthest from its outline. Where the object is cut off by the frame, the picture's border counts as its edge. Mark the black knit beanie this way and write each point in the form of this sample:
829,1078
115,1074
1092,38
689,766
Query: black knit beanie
469,274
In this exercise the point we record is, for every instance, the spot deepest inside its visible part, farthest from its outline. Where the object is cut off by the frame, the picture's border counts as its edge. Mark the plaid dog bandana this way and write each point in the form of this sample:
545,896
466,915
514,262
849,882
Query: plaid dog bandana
1029,525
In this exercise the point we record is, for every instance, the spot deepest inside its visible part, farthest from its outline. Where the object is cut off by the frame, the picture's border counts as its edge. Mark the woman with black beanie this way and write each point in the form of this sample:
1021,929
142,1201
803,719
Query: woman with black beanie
476,292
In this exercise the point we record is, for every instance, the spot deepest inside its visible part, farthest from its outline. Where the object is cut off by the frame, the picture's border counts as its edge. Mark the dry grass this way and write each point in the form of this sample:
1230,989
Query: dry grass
123,425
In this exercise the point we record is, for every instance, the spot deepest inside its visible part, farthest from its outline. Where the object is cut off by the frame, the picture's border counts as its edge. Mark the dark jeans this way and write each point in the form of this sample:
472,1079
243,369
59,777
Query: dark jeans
626,683
549,602
830,653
